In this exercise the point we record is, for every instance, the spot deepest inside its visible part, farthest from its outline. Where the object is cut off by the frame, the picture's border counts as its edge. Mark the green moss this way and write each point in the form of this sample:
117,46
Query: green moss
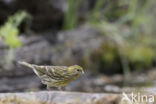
109,52
142,55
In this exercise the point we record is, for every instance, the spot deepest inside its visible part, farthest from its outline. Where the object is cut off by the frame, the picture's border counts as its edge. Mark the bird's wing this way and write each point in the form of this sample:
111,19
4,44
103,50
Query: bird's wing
39,70
57,72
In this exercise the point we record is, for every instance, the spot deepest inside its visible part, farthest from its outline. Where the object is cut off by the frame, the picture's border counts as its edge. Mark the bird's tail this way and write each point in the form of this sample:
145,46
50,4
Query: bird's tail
25,64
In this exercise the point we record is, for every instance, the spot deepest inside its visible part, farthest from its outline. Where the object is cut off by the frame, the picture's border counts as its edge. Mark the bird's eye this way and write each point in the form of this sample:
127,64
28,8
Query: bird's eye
78,70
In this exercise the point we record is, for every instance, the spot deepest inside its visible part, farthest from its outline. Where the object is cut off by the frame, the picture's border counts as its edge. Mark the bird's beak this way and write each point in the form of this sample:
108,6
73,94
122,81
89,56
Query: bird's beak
83,72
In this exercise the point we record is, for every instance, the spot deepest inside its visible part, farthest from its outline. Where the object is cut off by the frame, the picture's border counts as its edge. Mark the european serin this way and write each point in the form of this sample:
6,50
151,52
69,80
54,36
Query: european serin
56,76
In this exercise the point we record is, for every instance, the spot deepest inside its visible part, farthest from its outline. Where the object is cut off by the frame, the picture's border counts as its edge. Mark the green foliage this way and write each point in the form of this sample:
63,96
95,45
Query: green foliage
95,15
140,55
71,15
9,31
10,34
130,25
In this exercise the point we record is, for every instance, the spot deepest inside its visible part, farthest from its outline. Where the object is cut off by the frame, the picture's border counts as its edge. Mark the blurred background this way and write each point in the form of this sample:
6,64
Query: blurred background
114,40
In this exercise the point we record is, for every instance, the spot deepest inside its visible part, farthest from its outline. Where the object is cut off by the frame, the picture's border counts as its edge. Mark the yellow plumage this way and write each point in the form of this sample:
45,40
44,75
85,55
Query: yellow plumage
56,76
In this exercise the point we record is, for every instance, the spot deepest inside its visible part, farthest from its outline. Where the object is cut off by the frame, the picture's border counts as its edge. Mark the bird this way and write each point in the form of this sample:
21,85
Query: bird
55,76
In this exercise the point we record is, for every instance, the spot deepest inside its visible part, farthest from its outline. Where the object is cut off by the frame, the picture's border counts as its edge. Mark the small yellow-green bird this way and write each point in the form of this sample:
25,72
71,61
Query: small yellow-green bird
56,76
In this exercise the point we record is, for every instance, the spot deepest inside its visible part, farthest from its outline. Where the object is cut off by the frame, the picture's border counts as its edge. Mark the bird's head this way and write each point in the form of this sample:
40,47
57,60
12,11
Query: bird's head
75,70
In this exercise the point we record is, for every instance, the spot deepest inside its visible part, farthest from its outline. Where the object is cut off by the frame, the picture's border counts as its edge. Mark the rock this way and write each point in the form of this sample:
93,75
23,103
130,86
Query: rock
57,97
77,45
19,83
